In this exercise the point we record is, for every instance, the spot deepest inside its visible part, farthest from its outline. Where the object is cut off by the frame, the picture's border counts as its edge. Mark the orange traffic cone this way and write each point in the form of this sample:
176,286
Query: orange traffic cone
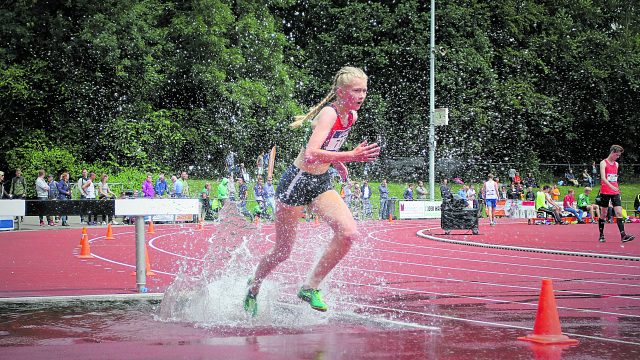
147,263
391,218
85,251
546,329
84,233
257,220
109,233
317,221
151,230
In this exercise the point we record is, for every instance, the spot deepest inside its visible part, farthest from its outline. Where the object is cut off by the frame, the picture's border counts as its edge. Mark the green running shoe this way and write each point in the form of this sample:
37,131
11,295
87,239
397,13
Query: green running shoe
313,297
251,304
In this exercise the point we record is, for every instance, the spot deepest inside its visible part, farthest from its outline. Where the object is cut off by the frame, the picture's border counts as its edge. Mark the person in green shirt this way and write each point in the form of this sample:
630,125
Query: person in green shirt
223,191
584,204
206,203
18,189
545,204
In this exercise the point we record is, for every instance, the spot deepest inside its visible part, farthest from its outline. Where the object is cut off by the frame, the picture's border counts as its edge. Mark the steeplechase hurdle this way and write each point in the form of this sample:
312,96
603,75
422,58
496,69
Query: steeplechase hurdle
136,208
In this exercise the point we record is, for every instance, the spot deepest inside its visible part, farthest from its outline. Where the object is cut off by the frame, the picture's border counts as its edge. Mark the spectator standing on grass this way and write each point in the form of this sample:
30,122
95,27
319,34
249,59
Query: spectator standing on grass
90,191
384,196
105,193
185,184
231,188
205,199
64,193
610,192
270,196
366,199
408,192
177,187
161,187
463,192
3,192
260,165
258,194
244,174
584,204
421,191
42,193
595,171
80,185
223,191
18,189
445,191
242,197
471,197
53,192
490,195
147,187
230,162
356,200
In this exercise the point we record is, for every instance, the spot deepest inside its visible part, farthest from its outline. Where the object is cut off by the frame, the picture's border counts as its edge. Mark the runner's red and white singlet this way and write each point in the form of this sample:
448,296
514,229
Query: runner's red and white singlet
338,133
611,173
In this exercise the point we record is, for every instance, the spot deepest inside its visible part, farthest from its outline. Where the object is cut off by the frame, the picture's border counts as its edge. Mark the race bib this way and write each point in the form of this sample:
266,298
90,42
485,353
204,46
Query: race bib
335,142
613,178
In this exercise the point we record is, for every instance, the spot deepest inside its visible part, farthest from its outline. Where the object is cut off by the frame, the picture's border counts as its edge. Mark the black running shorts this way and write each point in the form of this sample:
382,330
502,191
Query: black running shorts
605,198
297,188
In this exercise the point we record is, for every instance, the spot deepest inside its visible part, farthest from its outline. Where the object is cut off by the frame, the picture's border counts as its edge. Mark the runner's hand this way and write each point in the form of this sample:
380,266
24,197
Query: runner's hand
365,152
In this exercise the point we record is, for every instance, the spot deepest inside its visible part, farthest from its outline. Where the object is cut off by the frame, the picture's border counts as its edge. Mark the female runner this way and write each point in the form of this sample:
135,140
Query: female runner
307,182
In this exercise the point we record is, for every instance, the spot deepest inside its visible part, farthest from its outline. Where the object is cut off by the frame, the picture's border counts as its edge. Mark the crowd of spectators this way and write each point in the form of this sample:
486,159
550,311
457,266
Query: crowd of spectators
357,195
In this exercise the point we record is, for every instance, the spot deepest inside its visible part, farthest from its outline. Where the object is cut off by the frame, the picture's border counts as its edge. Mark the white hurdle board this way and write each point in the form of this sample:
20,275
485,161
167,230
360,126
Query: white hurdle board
12,207
144,207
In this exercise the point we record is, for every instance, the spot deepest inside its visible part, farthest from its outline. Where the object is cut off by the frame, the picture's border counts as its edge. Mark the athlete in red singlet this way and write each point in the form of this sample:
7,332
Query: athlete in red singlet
308,182
610,192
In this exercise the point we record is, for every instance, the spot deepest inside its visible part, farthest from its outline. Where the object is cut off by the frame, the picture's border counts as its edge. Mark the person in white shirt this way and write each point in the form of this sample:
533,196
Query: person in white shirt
90,194
490,196
42,192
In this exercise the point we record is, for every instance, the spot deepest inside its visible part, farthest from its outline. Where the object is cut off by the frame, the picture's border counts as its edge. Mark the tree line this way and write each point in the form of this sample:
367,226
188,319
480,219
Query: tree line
156,85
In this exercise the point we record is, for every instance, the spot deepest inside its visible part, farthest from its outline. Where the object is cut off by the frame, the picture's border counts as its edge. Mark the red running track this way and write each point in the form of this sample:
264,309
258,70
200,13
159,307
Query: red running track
392,272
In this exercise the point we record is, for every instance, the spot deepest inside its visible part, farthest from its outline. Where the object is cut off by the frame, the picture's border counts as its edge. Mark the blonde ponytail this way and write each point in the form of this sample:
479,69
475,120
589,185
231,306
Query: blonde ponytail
342,77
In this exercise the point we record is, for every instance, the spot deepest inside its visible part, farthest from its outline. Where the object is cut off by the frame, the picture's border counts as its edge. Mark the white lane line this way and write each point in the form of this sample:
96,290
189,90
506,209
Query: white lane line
353,256
444,294
484,299
527,249
494,254
449,317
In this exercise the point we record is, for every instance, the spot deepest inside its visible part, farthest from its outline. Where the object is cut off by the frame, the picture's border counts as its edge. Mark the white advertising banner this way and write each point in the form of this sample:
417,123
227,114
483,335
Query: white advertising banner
420,209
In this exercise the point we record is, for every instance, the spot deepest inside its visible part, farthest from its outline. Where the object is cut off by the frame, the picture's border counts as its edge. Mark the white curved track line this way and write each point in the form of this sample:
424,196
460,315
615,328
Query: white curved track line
527,249
459,296
496,254
351,256
401,289
511,264
485,299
